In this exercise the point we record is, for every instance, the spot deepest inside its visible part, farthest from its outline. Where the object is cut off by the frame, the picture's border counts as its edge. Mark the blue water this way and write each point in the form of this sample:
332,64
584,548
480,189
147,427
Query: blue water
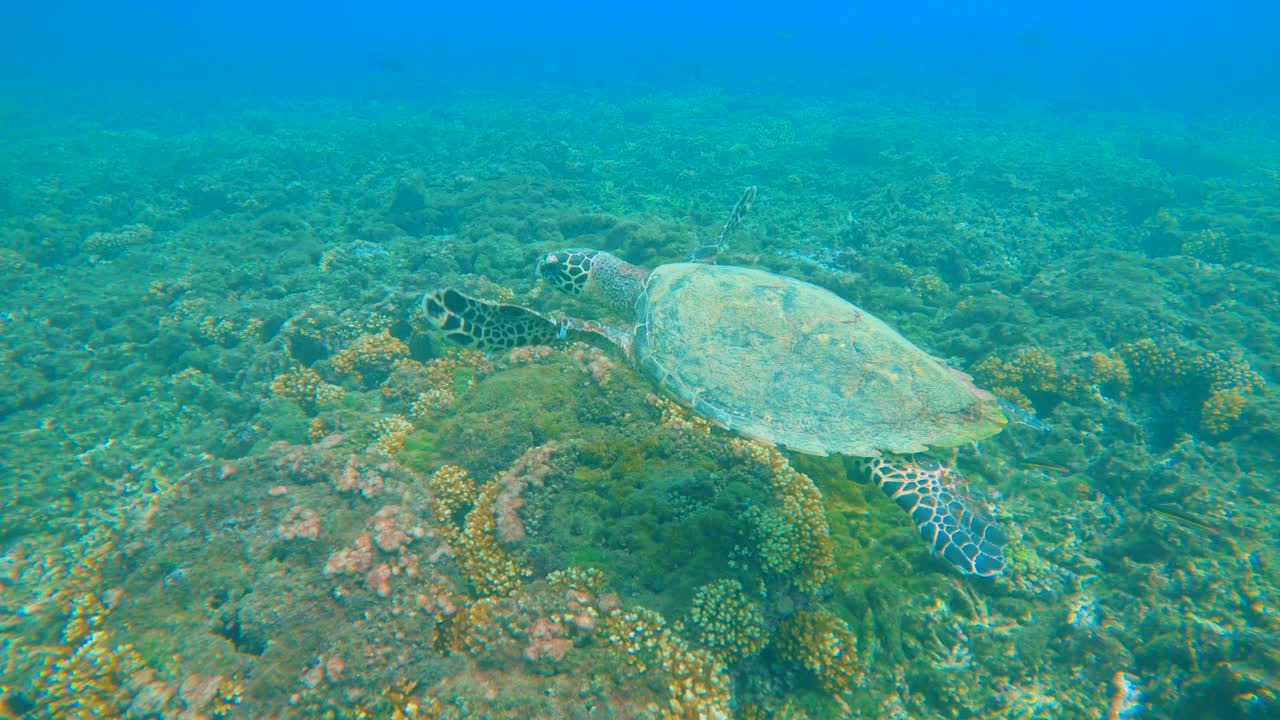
1192,56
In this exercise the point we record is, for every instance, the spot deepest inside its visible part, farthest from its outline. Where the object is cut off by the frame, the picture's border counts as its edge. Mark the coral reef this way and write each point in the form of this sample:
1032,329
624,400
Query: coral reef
792,539
489,568
305,387
216,506
824,645
371,357
726,622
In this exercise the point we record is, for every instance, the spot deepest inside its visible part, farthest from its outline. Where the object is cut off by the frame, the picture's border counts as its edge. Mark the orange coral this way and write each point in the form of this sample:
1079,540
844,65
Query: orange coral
490,569
370,355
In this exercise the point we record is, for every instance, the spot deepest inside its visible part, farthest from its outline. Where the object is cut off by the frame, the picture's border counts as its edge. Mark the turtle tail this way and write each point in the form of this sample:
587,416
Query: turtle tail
486,325
926,489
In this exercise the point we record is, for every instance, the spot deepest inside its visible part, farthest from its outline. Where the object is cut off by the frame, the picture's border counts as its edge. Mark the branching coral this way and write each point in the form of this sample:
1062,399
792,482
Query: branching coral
793,538
1220,384
390,433
85,675
489,568
697,683
1029,372
443,376
370,357
305,387
824,645
726,622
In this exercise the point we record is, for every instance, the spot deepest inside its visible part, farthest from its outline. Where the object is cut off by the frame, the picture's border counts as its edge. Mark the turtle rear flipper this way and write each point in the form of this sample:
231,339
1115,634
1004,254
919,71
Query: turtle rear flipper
926,490
486,325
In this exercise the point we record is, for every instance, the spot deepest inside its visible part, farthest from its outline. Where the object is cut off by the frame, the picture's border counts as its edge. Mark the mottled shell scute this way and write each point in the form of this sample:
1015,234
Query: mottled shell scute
792,364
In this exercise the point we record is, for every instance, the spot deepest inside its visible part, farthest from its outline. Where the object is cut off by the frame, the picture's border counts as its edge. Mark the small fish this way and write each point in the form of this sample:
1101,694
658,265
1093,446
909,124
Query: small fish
1047,467
1022,417
1185,518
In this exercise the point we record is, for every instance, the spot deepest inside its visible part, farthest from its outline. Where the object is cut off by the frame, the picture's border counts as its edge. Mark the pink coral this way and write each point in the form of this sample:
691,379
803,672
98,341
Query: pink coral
379,579
300,523
546,640
529,353
387,534
531,467
354,477
351,560
593,361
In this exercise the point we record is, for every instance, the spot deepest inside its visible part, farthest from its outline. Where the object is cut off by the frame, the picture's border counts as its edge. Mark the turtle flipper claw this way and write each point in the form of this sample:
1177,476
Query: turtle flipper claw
925,489
486,325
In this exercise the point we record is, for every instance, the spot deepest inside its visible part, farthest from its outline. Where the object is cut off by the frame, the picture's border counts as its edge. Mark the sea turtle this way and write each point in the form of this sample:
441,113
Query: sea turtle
778,360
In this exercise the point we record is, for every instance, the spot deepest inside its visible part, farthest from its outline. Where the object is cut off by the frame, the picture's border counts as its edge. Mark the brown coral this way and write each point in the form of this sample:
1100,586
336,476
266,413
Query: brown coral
1218,383
371,357
792,539
824,645
305,387
491,570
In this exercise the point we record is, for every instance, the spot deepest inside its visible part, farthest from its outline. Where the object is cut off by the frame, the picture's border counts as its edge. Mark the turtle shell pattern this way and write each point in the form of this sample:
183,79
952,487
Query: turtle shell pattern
789,363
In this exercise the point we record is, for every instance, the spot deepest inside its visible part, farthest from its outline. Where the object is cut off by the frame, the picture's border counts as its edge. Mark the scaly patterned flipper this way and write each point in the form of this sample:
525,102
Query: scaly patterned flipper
707,252
486,325
926,490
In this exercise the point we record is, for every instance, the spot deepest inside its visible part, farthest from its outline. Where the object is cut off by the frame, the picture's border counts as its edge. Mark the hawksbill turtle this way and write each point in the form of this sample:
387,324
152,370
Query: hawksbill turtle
777,360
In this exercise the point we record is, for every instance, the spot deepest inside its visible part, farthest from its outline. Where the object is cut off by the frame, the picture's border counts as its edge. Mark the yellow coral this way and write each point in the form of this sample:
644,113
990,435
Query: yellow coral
794,538
1154,364
1221,410
726,622
489,568
675,416
317,430
452,490
697,683
442,379
824,645
370,354
226,698
1220,383
305,387
390,432
1109,371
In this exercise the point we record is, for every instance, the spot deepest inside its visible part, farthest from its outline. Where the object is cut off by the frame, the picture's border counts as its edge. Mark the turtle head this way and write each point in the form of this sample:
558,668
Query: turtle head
569,270
595,275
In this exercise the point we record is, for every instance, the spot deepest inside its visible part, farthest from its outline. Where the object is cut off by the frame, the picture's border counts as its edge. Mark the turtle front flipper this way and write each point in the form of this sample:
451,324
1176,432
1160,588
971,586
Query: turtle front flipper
926,490
486,325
